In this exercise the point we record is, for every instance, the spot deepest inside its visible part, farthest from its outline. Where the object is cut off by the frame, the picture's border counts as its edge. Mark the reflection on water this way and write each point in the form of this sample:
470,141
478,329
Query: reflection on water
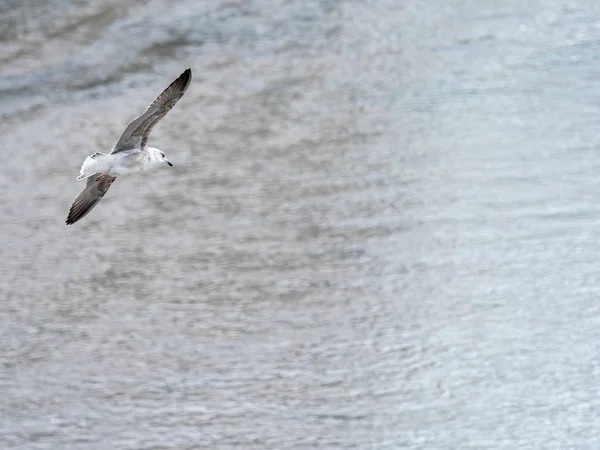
379,231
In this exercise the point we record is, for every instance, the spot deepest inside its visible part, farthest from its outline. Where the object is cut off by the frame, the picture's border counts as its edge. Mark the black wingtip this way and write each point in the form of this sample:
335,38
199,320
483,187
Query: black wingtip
182,82
187,75
71,219
76,216
73,215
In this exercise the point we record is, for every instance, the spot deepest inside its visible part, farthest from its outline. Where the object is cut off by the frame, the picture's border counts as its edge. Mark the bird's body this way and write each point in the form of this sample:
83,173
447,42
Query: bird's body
128,162
130,155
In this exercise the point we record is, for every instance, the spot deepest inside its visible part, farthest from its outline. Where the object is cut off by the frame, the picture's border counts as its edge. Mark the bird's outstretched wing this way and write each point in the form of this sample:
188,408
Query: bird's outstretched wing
137,132
97,185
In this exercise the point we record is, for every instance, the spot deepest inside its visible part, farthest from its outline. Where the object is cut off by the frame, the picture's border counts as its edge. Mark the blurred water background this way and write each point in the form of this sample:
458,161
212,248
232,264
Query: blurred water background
381,230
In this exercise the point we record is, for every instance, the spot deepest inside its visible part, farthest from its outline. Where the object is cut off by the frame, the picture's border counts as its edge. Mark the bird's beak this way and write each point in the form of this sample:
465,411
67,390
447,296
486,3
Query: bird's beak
168,162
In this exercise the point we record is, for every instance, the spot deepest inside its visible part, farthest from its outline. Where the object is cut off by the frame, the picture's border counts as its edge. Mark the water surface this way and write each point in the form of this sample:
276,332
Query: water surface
379,233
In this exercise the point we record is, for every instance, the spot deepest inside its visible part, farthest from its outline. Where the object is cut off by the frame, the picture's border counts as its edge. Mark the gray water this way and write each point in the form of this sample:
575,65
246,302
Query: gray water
381,230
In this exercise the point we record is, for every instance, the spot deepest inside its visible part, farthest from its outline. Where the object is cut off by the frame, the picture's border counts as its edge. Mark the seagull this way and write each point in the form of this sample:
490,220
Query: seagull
130,155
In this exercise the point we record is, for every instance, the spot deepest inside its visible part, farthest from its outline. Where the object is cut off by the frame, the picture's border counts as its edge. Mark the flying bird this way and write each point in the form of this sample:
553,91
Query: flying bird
130,155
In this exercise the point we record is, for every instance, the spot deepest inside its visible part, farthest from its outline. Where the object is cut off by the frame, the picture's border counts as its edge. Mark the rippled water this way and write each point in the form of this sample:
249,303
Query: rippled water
379,233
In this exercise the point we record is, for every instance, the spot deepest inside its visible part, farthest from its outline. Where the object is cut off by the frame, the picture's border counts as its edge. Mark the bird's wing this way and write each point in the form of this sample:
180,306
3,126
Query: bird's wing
97,185
137,132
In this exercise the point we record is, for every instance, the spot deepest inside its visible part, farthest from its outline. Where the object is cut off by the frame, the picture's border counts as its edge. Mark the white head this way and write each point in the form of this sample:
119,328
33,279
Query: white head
158,157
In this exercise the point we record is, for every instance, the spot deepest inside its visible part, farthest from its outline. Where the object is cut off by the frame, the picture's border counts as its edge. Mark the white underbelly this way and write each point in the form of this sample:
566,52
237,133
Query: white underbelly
116,169
126,163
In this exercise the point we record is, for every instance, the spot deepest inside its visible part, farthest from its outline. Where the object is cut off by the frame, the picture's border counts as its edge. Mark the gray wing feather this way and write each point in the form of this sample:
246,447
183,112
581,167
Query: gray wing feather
97,185
137,132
